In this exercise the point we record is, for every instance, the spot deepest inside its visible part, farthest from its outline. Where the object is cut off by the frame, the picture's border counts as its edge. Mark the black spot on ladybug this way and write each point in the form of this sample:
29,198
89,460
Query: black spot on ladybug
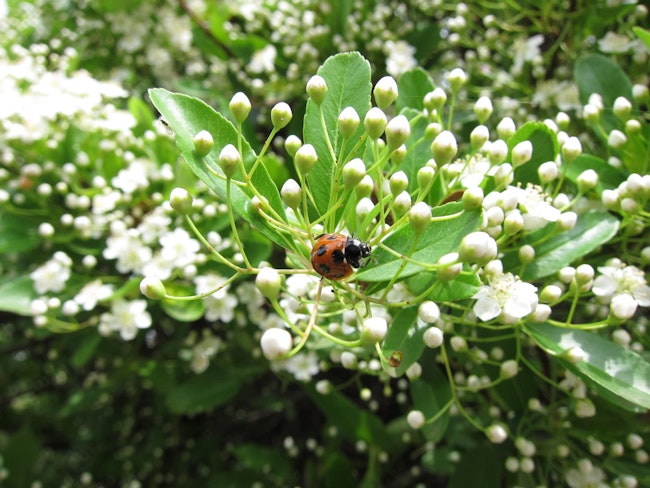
338,256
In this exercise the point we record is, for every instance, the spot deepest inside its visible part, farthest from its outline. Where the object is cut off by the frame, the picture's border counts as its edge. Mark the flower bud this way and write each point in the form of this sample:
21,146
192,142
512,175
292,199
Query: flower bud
623,306
398,131
433,337
268,282
374,330
472,198
641,93
513,222
375,123
349,360
240,106
292,144
483,109
498,152
229,160
547,172
566,221
622,108
348,122
291,193
585,408
399,154
435,100
496,434
456,79
429,312
571,149
449,267
479,136
616,139
415,419
398,182
425,177
364,207
587,180
317,89
181,201
477,247
420,217
402,203
458,343
305,158
550,294
353,172
444,147
152,288
280,115
432,130
504,175
365,187
509,369
203,143
522,153
385,92
276,343
526,254
506,128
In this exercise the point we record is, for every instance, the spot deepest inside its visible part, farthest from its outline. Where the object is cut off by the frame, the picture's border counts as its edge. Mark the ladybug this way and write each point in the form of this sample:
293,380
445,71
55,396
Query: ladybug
334,255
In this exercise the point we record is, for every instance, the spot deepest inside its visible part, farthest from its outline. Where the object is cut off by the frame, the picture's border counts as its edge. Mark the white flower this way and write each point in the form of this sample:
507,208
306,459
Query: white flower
536,208
135,177
470,172
303,366
221,304
626,282
585,476
526,50
505,296
179,248
92,293
126,318
53,275
127,247
263,61
400,57
203,351
616,43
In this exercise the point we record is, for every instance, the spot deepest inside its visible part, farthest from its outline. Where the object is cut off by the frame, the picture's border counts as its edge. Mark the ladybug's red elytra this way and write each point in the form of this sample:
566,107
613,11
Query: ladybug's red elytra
335,255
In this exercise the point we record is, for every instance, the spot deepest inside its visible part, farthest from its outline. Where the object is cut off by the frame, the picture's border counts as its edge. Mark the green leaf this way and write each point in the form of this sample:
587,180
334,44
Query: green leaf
404,337
265,460
412,86
643,35
592,230
460,288
18,233
438,239
419,148
16,295
86,349
348,81
545,148
597,74
478,467
607,366
608,176
187,116
204,392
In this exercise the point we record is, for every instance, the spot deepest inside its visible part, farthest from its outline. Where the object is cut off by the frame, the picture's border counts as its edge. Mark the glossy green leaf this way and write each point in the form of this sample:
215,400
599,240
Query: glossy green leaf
612,368
16,295
187,116
545,148
460,288
419,148
592,230
348,81
438,239
412,86
405,337
597,74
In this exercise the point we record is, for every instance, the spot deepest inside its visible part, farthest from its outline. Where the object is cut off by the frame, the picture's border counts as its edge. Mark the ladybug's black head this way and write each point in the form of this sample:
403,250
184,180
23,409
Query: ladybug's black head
355,251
